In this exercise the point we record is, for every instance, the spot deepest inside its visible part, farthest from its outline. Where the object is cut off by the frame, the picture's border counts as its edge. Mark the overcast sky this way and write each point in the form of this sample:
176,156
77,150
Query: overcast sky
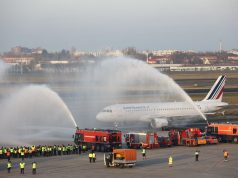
97,24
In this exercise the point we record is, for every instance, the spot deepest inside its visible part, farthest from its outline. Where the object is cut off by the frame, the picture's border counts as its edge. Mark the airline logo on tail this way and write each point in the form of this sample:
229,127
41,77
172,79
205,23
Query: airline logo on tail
217,89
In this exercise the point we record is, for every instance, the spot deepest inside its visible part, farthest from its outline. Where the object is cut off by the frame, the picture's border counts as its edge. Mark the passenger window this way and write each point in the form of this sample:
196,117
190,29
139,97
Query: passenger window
234,130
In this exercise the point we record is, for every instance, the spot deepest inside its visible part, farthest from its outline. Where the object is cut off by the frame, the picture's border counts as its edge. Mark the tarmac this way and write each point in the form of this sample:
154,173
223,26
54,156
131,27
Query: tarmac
210,165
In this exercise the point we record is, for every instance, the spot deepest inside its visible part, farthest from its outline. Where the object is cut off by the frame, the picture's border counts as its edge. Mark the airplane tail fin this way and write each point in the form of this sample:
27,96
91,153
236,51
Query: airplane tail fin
216,92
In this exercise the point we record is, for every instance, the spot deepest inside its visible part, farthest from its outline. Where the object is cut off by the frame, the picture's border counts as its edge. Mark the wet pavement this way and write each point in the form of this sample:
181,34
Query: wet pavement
210,165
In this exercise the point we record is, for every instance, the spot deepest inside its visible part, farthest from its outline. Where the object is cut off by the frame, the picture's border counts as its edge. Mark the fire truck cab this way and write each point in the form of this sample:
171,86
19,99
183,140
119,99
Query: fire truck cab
135,140
164,139
100,139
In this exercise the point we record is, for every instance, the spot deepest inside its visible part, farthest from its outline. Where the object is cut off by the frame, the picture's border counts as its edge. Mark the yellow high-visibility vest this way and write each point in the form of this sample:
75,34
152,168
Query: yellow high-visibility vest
9,165
170,160
22,165
90,155
33,165
94,155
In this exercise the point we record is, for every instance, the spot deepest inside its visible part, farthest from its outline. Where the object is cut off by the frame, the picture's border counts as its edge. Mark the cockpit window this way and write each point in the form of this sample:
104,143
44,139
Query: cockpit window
107,110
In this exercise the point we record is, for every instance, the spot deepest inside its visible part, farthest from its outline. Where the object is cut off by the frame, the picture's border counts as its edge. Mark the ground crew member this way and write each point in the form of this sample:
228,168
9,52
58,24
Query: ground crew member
34,167
19,152
170,161
1,152
22,155
196,155
226,155
43,150
94,156
22,166
4,151
26,152
11,151
59,150
143,153
30,153
84,148
93,147
90,156
54,150
15,153
63,150
8,155
9,166
80,149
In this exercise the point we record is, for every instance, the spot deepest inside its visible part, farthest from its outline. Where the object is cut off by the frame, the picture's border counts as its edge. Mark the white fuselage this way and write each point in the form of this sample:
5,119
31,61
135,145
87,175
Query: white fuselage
147,111
160,114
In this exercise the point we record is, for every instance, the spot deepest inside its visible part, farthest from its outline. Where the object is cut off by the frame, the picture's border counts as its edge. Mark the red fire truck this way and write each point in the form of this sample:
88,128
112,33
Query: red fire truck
135,140
164,139
192,137
188,137
100,139
142,140
147,140
224,132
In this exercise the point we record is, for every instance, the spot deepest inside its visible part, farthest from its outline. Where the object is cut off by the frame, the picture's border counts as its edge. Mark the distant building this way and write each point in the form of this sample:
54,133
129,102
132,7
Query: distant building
160,60
209,59
233,58
37,51
18,50
206,61
26,60
234,51
114,53
78,53
163,52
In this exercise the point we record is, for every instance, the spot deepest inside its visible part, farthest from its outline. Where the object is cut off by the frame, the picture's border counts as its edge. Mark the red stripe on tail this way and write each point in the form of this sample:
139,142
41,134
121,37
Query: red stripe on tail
222,90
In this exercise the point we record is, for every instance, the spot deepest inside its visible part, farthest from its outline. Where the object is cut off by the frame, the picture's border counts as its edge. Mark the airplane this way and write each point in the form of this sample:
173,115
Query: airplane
165,113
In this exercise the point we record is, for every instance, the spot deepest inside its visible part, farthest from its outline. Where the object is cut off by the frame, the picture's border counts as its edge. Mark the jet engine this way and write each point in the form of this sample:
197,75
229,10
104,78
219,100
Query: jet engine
158,122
